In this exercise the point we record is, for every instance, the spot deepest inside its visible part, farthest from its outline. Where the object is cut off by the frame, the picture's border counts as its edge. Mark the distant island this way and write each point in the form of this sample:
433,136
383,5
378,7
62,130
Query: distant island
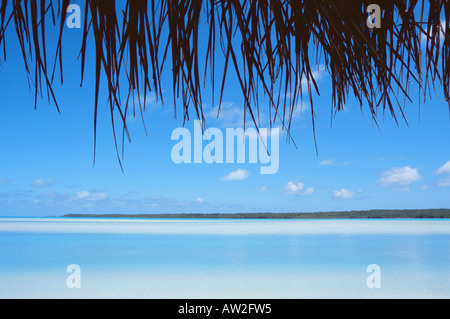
397,213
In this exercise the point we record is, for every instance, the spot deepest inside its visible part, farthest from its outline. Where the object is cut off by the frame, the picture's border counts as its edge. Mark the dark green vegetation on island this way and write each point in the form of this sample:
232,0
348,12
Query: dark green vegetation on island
402,213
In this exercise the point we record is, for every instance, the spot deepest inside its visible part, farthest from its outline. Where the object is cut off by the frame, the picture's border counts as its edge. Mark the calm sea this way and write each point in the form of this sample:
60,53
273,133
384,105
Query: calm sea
182,258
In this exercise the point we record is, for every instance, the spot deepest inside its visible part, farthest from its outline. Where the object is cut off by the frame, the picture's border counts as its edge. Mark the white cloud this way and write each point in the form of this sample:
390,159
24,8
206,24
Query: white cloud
237,175
5,180
232,115
400,177
265,133
444,182
91,196
332,162
317,74
102,202
297,189
41,183
326,162
442,33
262,188
344,194
302,106
300,109
445,169
200,200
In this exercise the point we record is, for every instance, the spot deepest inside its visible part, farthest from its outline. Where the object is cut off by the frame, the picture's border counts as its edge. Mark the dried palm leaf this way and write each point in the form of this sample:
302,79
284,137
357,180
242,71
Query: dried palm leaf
272,47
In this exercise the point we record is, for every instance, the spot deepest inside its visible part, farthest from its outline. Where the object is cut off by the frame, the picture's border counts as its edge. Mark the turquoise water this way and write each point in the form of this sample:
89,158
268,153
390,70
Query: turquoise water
224,259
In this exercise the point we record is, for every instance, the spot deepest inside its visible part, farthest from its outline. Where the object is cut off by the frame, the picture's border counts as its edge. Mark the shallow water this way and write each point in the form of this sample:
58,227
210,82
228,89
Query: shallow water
141,258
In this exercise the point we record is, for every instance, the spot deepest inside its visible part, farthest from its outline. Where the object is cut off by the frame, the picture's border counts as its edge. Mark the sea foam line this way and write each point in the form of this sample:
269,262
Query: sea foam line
225,227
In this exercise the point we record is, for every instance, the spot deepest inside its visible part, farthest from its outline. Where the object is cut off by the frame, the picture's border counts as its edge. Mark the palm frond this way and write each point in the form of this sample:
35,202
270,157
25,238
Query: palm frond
271,46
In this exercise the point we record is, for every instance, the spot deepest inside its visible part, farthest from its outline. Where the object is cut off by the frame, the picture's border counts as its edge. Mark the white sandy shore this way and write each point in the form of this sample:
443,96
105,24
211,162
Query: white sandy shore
332,284
226,227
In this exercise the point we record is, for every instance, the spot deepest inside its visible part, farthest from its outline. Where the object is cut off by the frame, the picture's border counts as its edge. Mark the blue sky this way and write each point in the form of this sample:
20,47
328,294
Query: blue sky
46,167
